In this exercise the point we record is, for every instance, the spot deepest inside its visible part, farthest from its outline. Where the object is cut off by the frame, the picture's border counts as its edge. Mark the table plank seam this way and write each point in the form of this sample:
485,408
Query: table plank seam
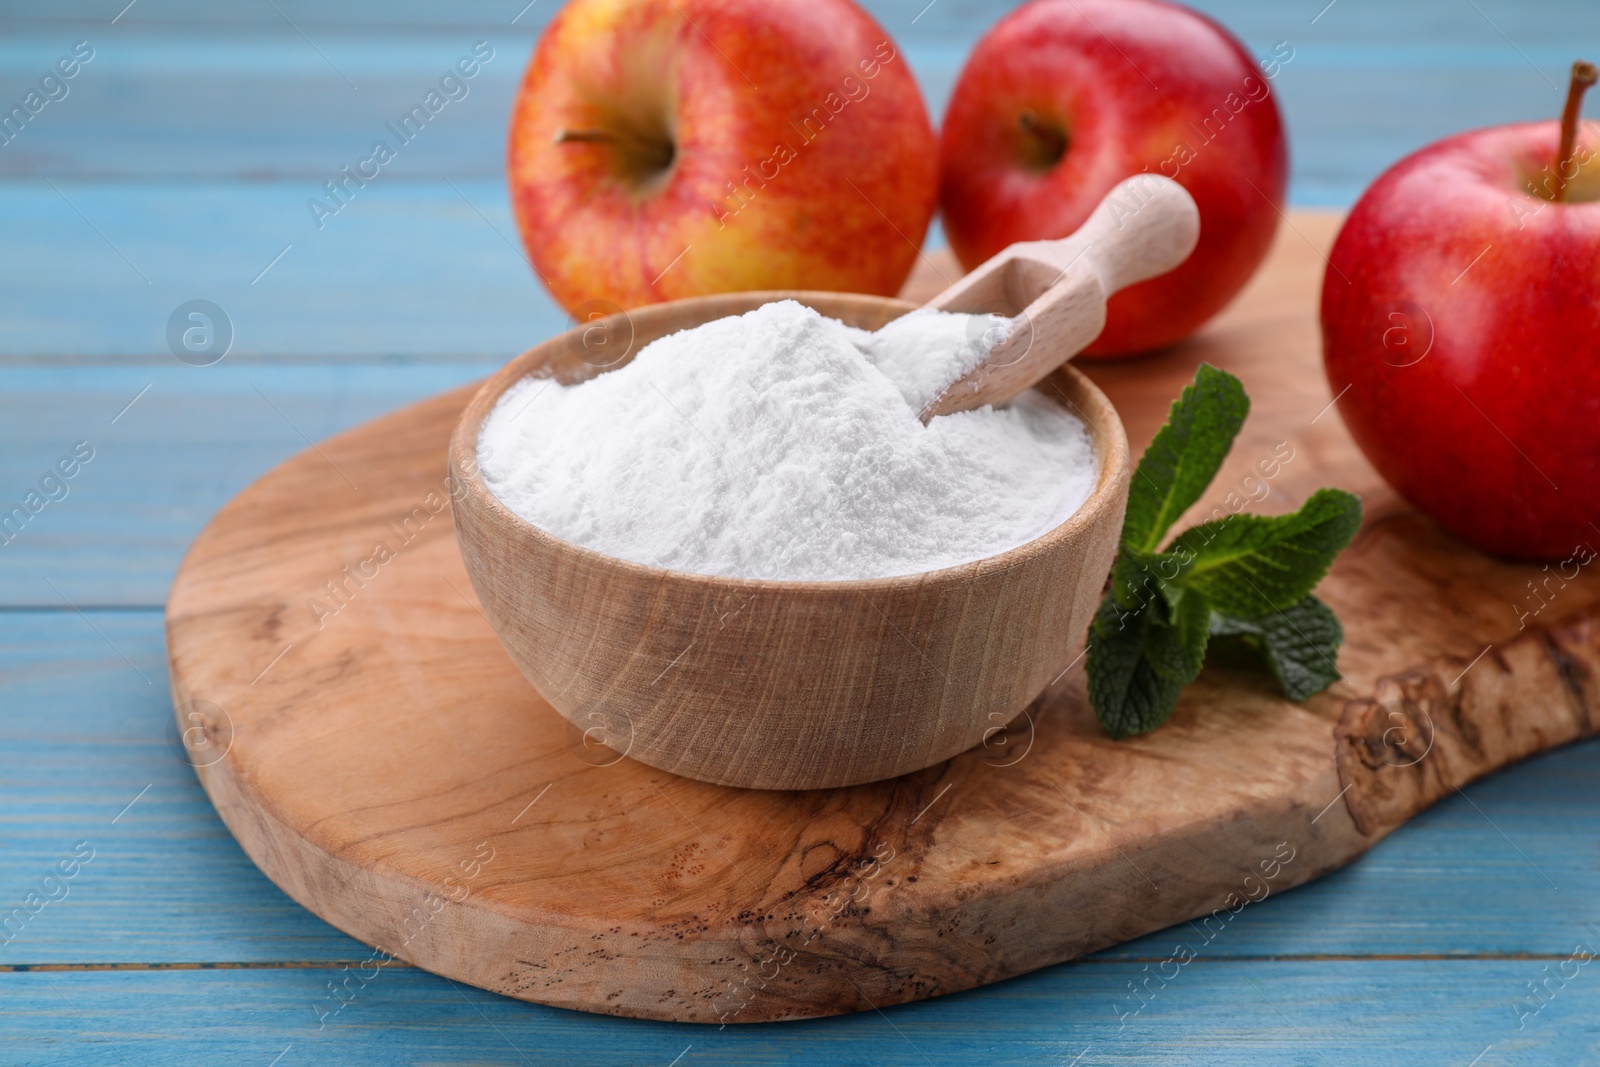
1113,961
63,609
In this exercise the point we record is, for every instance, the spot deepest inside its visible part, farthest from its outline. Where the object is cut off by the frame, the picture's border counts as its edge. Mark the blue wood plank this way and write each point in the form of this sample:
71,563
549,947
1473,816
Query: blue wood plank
1441,21
193,437
410,268
426,260
909,21
1347,1014
182,160
186,103
92,767
170,95
87,725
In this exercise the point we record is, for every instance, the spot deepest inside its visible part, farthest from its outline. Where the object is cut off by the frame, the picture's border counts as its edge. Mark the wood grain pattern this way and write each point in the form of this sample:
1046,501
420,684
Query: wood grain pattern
625,890
772,684
1424,734
85,735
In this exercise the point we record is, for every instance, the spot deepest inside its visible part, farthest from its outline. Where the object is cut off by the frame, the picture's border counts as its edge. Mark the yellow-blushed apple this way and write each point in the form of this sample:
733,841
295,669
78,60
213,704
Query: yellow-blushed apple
671,148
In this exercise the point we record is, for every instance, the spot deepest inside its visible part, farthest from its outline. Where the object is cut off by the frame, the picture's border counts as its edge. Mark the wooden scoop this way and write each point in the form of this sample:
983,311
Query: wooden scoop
1055,292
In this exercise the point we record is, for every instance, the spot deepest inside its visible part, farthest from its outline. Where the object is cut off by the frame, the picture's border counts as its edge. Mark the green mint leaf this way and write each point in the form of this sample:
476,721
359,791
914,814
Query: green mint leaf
1245,576
1139,659
1139,576
1184,456
1300,644
1177,650
1128,696
1252,565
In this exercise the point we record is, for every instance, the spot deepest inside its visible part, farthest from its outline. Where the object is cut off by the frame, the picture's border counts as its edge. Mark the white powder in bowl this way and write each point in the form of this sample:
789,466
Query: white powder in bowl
782,444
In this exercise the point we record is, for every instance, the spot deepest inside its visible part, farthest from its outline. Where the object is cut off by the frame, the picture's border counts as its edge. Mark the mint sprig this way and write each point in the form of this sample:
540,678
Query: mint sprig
1244,577
1184,457
1299,643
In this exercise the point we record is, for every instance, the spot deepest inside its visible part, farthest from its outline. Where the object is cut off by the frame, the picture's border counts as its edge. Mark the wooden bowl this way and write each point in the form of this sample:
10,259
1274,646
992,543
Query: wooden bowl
780,684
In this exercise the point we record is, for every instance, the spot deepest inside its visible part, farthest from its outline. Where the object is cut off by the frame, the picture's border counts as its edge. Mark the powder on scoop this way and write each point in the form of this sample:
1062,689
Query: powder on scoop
785,445
923,351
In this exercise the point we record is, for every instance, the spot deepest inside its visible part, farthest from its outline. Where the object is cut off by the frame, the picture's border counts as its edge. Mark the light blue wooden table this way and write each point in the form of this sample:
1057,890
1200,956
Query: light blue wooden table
177,167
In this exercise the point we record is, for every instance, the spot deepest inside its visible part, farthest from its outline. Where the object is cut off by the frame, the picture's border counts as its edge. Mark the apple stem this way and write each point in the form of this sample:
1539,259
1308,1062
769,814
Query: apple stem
657,152
565,136
1051,142
1584,74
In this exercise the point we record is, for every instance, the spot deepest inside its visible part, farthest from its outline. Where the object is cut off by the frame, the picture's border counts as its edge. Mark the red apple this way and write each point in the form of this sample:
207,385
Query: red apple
1460,317
670,148
1065,98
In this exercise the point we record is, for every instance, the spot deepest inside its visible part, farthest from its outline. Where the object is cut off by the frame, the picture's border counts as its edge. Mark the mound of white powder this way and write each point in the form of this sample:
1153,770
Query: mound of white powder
781,444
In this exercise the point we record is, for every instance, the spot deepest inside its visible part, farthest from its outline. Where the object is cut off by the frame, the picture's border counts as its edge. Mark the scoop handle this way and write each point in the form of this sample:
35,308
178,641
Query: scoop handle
1055,292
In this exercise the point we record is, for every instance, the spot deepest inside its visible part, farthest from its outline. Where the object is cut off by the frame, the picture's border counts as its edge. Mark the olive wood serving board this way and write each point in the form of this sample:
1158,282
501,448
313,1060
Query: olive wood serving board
380,758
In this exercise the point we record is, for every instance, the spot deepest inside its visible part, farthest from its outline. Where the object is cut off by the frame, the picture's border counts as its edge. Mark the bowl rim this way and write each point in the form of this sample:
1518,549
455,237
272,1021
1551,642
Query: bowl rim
1110,439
